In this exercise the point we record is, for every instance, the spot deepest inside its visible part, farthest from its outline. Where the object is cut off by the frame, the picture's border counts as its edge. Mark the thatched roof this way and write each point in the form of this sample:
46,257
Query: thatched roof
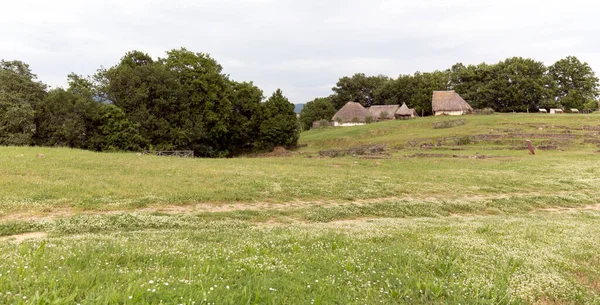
350,111
405,111
449,101
378,109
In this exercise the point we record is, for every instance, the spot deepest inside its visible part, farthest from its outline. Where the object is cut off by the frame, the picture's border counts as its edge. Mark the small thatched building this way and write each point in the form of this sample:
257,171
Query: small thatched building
449,103
351,114
383,112
404,112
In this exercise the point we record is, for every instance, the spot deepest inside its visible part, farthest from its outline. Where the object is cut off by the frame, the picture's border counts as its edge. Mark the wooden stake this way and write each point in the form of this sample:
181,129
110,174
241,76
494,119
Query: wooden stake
531,149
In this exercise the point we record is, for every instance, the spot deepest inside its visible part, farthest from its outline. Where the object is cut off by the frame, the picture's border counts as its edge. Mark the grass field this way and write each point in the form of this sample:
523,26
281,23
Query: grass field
426,221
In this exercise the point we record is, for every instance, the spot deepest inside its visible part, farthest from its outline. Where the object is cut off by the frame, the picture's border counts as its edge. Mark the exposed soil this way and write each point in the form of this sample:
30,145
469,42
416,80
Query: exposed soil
24,236
62,212
422,155
352,221
377,150
278,151
593,207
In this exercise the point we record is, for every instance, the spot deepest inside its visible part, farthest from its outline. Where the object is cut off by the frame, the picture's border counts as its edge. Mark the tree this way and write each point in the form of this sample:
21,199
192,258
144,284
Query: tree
516,84
423,86
476,84
521,84
19,95
358,88
151,97
280,126
246,115
316,110
82,86
118,133
396,91
575,83
65,118
207,110
16,124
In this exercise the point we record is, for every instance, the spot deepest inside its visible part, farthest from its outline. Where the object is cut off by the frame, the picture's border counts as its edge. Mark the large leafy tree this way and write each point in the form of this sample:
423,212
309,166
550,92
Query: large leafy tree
150,95
68,117
473,83
16,124
521,84
206,110
246,115
575,83
64,118
396,91
117,132
315,110
423,86
185,102
359,88
19,95
280,126
516,84
18,85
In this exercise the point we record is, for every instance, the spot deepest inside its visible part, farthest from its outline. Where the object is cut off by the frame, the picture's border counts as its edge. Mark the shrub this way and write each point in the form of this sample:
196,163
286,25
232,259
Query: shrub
323,123
369,119
355,120
484,111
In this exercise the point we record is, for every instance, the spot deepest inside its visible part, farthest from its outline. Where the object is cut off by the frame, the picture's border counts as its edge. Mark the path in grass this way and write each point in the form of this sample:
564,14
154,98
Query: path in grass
487,204
542,257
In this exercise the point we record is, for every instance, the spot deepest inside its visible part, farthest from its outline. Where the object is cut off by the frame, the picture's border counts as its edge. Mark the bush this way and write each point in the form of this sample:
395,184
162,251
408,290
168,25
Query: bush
369,119
591,105
323,123
355,120
484,111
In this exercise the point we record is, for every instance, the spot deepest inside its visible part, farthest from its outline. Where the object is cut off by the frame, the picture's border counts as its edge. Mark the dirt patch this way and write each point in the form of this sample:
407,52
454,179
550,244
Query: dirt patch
585,280
65,212
542,135
430,147
278,151
24,236
591,141
422,155
365,150
352,221
547,147
593,207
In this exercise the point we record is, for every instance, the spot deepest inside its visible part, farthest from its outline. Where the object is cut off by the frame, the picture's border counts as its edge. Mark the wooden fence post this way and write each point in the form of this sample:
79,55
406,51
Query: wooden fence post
531,149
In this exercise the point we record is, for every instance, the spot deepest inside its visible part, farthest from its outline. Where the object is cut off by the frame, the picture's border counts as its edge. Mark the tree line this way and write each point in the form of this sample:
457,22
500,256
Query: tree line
515,84
180,102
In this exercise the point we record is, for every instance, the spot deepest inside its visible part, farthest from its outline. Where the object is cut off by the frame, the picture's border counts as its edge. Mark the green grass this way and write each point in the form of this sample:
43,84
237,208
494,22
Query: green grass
540,257
397,133
309,230
92,181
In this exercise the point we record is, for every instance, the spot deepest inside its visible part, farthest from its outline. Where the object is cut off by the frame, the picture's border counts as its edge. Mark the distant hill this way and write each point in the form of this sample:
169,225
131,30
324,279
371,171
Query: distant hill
298,107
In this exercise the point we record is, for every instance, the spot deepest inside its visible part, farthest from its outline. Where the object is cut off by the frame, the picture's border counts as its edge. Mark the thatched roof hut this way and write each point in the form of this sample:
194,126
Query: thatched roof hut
405,113
383,112
449,103
351,112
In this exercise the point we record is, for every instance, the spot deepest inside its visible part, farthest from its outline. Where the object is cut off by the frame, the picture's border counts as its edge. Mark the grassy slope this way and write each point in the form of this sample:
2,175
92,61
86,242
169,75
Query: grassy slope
87,180
397,132
311,230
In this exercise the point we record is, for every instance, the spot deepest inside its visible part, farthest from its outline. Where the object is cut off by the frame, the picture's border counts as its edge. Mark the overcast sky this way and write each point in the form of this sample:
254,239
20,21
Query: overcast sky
300,46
